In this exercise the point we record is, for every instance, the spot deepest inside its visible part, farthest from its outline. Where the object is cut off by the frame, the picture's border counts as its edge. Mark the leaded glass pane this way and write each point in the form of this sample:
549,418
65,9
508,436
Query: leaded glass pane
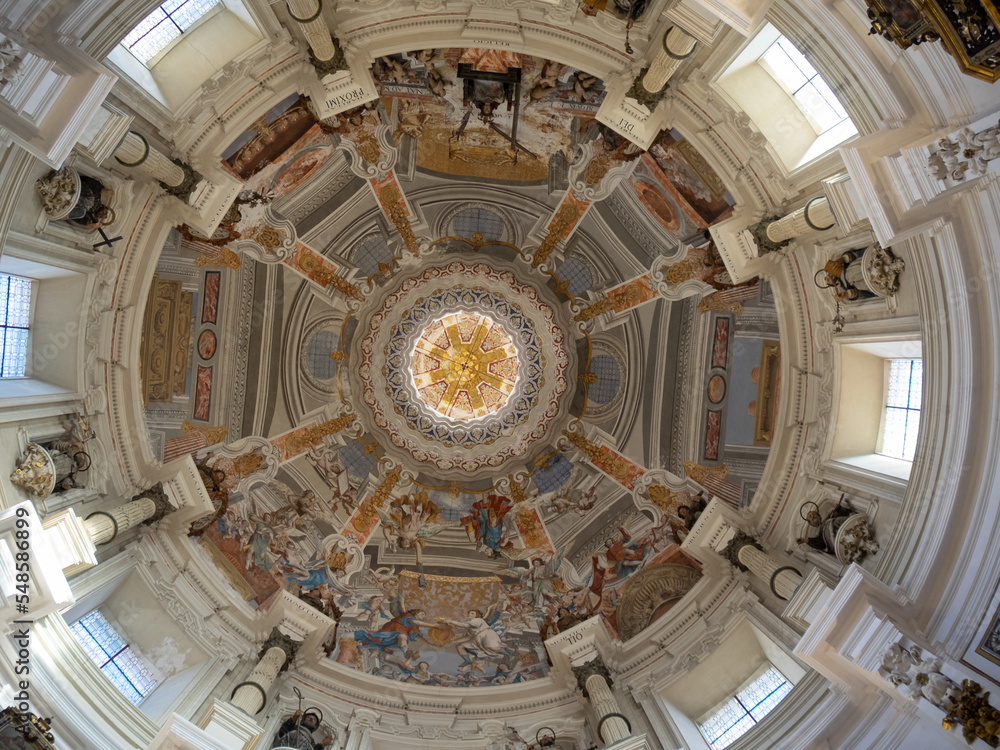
721,722
482,220
749,706
163,25
102,633
321,345
108,650
114,673
189,11
133,670
577,274
356,461
902,412
608,379
15,352
369,253
554,476
795,72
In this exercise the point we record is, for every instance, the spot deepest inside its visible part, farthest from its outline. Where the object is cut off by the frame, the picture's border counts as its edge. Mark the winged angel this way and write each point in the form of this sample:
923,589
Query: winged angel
409,522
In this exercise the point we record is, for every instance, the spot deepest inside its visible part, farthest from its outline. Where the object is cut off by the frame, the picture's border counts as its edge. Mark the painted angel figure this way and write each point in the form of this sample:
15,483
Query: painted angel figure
409,523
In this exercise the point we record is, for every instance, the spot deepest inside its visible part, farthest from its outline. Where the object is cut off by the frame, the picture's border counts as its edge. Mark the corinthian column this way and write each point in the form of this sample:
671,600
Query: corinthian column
309,16
176,178
745,552
594,680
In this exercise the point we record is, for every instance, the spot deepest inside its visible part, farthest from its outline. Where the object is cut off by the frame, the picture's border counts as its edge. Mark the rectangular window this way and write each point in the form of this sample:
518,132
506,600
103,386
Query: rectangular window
902,408
747,707
791,69
163,25
14,318
109,651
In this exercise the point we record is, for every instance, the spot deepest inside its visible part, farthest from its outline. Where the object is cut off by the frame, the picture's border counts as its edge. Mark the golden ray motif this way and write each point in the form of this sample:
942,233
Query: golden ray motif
476,366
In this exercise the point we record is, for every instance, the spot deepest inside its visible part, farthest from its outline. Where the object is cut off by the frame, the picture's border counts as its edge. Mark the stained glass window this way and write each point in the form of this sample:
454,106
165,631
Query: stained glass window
577,273
745,709
109,651
814,95
371,251
163,25
482,220
553,476
902,408
14,318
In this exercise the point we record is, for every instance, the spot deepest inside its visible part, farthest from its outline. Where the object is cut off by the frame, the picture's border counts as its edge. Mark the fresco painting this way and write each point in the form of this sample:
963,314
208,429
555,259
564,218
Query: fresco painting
466,107
694,187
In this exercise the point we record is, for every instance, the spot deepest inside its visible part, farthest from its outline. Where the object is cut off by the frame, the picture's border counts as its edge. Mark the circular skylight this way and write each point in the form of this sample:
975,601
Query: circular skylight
464,366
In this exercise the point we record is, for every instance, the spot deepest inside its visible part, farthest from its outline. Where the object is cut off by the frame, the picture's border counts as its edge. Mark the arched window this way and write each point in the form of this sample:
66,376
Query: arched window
14,319
577,273
112,655
471,220
553,476
368,253
608,380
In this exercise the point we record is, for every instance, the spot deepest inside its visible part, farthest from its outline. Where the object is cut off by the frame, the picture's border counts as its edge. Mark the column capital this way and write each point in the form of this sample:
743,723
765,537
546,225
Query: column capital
585,671
160,499
277,639
732,549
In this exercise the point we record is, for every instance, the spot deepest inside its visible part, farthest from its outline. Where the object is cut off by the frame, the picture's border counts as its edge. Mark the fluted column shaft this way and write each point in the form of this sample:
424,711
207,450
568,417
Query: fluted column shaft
782,580
250,695
677,46
815,216
135,151
103,527
615,728
314,27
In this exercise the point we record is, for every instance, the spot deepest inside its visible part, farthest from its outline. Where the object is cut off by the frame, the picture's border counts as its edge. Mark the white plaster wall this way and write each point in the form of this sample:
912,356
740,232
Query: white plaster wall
199,54
719,675
153,632
862,376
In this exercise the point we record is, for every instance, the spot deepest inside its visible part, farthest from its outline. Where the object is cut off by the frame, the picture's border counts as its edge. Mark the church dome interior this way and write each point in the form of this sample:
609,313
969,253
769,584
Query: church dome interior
499,374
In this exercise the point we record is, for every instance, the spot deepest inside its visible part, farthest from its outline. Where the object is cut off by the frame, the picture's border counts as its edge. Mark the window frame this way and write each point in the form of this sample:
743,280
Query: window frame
32,297
151,62
125,651
880,441
809,115
759,675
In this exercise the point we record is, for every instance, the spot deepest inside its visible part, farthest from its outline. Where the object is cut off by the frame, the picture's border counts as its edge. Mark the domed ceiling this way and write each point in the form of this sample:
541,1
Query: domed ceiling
448,347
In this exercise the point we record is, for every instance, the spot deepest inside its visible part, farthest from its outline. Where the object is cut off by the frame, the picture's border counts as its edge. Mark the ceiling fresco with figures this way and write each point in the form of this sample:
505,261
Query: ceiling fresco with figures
442,392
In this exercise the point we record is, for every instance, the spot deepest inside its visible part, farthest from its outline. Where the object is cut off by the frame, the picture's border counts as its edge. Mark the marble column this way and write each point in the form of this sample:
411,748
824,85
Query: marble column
594,680
745,552
308,14
677,47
